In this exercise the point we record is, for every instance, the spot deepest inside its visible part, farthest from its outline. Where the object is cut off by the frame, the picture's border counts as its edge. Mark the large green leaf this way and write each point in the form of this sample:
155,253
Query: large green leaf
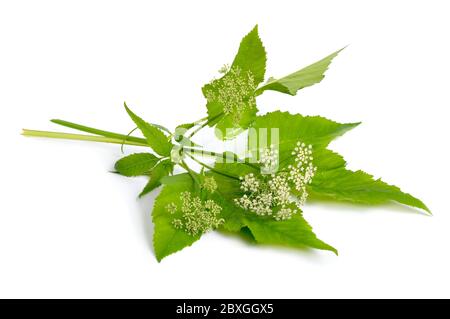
342,184
167,239
284,130
231,99
308,76
136,164
156,139
332,179
162,169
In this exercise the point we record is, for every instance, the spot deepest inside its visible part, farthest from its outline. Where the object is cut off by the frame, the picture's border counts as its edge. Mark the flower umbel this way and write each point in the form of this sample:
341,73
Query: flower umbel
197,216
271,195
268,158
209,183
172,208
302,173
235,91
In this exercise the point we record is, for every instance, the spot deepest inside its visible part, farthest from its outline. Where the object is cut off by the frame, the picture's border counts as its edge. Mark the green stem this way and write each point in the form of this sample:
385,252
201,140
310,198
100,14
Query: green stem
217,155
80,137
92,130
200,120
212,168
205,124
191,173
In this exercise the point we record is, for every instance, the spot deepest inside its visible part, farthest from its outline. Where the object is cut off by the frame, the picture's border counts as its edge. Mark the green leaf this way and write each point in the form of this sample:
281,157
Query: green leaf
315,130
156,139
252,56
179,179
332,179
231,99
358,187
136,164
308,76
167,239
162,169
294,232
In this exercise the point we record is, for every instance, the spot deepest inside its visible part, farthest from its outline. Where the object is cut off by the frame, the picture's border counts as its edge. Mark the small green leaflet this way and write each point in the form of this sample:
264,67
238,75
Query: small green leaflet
162,169
167,239
231,99
308,76
156,139
136,164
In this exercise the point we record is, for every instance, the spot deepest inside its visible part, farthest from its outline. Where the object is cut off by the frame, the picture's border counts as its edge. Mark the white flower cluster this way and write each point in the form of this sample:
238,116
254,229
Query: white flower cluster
210,184
271,195
268,158
249,183
235,91
198,216
302,173
172,208
285,213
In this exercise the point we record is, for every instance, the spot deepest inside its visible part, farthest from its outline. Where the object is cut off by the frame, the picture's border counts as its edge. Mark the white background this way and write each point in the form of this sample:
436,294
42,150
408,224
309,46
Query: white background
69,228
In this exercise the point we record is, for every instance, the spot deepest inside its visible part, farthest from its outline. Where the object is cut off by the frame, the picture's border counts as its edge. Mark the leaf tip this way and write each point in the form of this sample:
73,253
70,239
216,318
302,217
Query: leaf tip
354,124
344,47
142,194
427,210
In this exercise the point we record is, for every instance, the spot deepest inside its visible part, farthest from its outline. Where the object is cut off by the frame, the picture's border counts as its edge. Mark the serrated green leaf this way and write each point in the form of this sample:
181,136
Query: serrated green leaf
231,99
136,164
252,56
315,130
308,76
156,139
167,239
294,232
336,182
358,187
162,169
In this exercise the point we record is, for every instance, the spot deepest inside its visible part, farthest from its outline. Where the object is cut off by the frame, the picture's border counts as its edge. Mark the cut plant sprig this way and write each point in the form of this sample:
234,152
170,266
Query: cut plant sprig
263,199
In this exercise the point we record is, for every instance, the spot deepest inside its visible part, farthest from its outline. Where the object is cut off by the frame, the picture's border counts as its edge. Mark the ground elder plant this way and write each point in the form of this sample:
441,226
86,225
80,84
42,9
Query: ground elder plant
261,193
